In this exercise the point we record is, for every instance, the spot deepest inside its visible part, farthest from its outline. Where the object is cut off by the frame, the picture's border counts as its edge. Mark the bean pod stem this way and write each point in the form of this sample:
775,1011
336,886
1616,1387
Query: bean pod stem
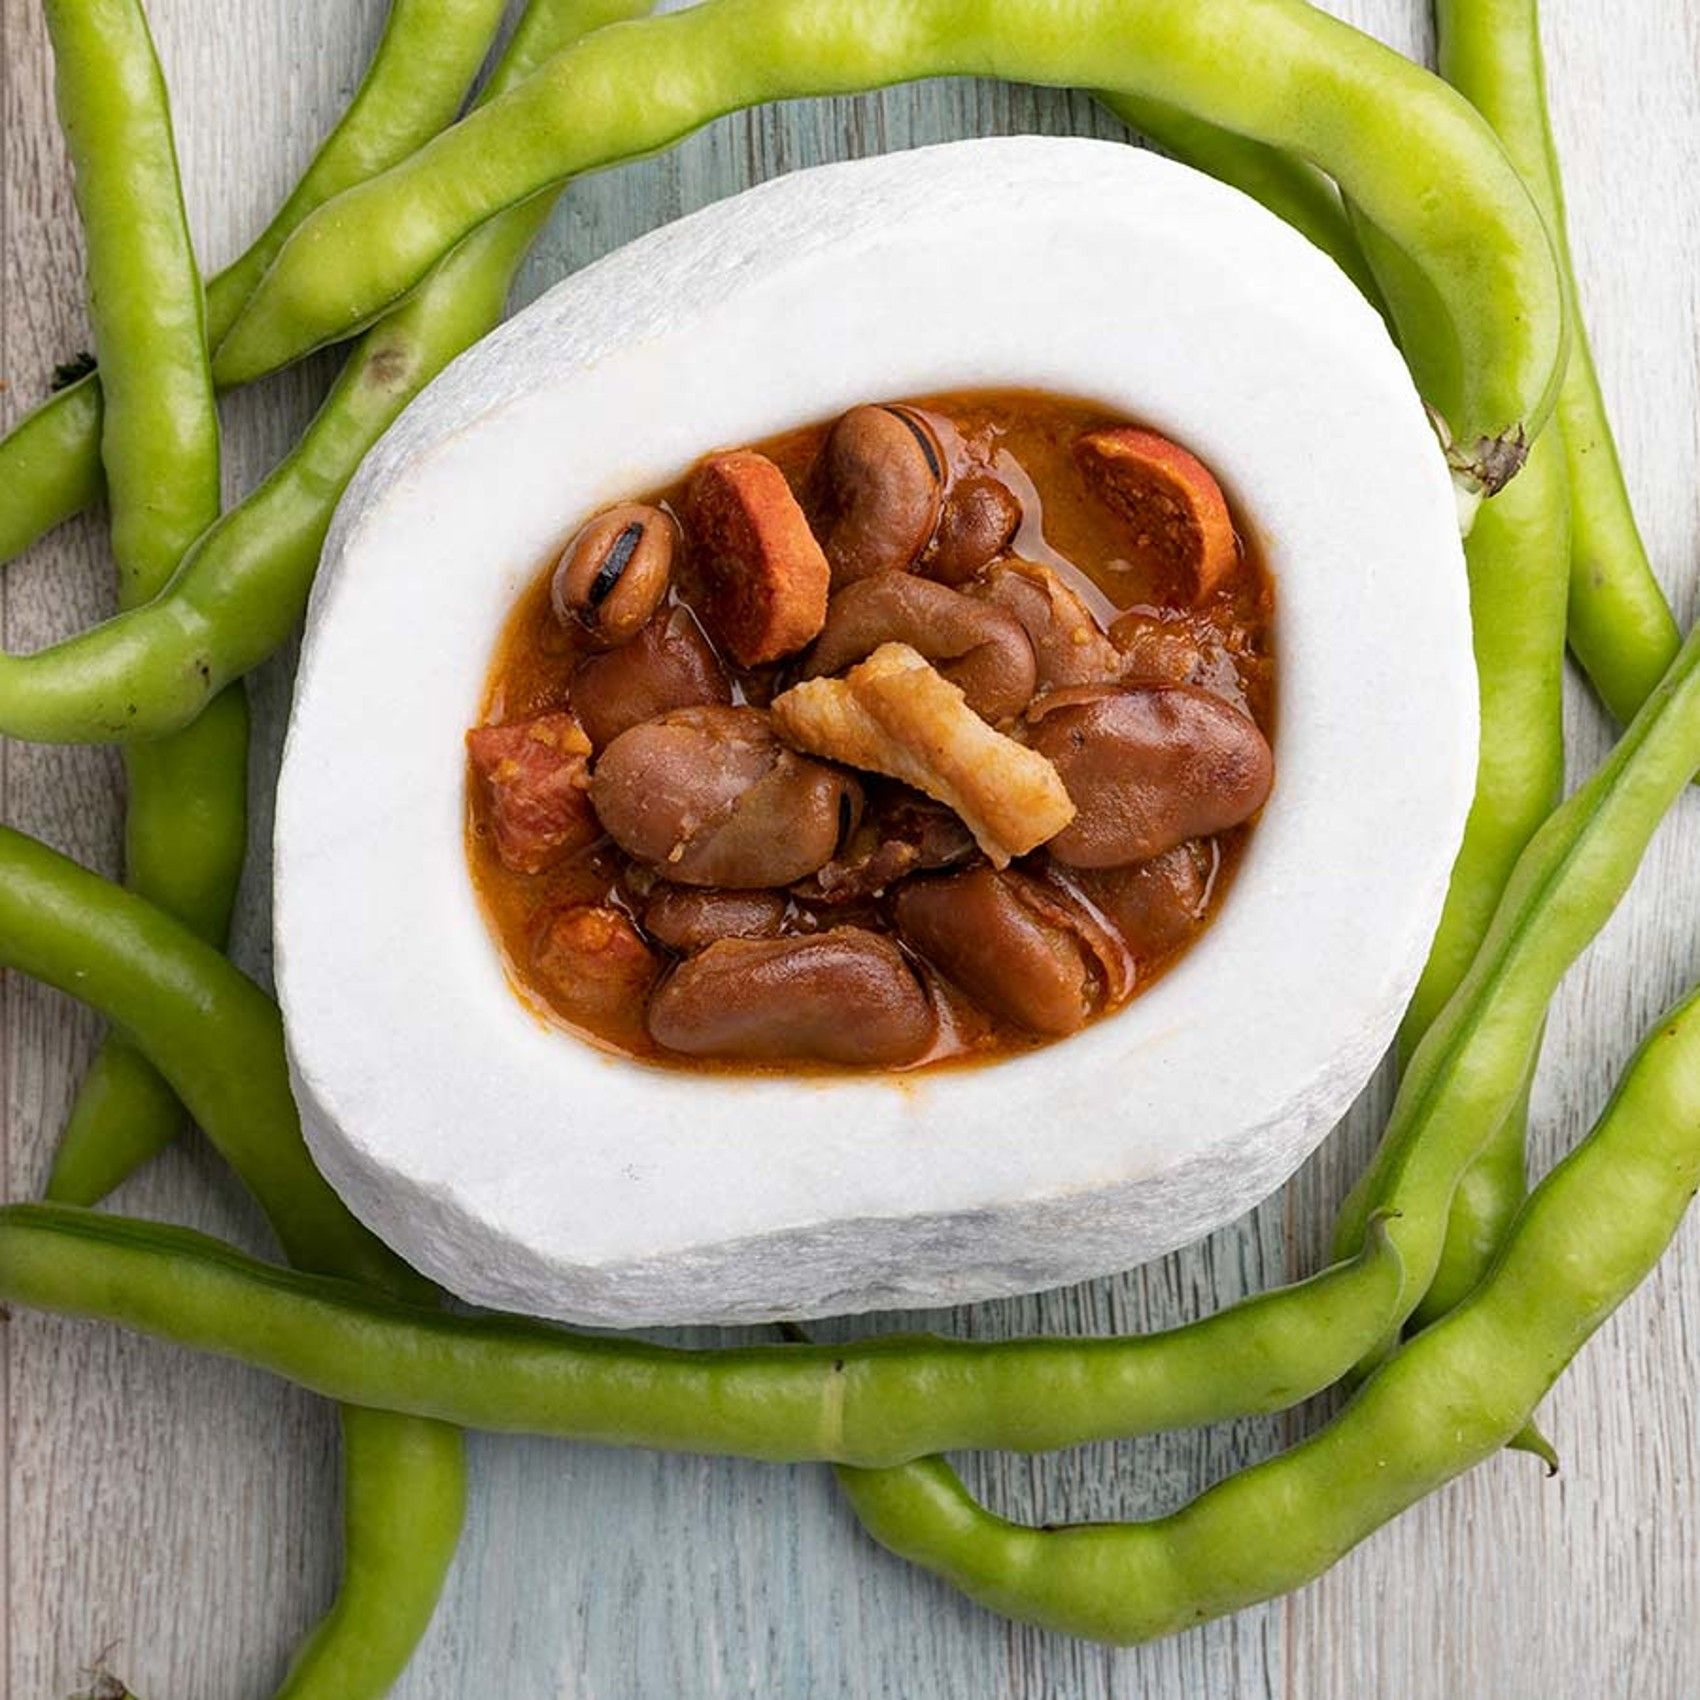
1621,627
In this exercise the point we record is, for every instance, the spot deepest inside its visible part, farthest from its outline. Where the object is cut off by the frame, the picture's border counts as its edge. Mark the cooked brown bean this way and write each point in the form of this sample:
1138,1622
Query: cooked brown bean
1154,906
844,996
668,665
1002,938
875,492
613,575
1148,769
762,574
594,964
711,797
687,918
1069,646
981,649
1157,651
980,519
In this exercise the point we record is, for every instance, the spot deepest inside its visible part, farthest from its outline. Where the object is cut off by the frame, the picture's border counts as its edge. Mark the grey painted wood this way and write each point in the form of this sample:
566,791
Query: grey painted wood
183,1512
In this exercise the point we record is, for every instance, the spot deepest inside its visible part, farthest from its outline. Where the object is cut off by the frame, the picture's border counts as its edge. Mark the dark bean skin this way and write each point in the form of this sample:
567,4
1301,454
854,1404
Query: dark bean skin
669,664
688,918
1154,906
875,492
711,797
1069,646
846,996
980,519
613,576
981,649
1000,937
1148,768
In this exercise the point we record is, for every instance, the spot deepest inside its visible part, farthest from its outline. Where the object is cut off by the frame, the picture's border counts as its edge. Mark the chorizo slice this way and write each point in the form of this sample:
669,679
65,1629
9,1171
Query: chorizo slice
762,575
595,968
536,775
1174,510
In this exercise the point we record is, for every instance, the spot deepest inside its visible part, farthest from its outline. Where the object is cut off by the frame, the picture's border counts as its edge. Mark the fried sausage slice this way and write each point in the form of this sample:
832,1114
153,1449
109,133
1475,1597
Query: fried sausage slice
762,574
1170,502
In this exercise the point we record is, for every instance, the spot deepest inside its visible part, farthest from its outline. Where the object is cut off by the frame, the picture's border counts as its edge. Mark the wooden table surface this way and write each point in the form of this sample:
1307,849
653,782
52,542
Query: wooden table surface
179,1514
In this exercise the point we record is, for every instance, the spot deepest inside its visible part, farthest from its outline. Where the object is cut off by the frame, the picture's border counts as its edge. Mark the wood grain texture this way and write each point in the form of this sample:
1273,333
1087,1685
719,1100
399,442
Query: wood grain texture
183,1512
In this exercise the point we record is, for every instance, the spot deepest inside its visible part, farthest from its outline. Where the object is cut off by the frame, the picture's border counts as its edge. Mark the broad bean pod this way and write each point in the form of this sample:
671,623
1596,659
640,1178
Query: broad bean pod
1588,1236
244,584
1516,554
1486,332
419,73
874,1402
186,823
1621,627
1466,1074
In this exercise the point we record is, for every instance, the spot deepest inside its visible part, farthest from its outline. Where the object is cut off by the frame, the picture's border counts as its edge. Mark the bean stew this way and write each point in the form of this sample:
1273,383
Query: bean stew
926,734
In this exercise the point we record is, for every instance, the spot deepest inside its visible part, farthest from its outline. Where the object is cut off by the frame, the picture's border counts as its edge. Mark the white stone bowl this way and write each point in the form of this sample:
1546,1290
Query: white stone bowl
522,1168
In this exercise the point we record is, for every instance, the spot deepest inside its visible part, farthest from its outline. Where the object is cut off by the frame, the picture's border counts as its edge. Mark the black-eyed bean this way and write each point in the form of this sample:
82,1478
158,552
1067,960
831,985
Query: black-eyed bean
614,574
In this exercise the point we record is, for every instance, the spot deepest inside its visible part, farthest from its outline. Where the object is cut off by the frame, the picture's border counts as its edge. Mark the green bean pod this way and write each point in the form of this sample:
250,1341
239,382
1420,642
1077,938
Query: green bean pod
144,288
1516,554
50,465
242,588
1589,1235
873,1402
1621,626
419,74
160,447
1466,1074
1487,332
403,1504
